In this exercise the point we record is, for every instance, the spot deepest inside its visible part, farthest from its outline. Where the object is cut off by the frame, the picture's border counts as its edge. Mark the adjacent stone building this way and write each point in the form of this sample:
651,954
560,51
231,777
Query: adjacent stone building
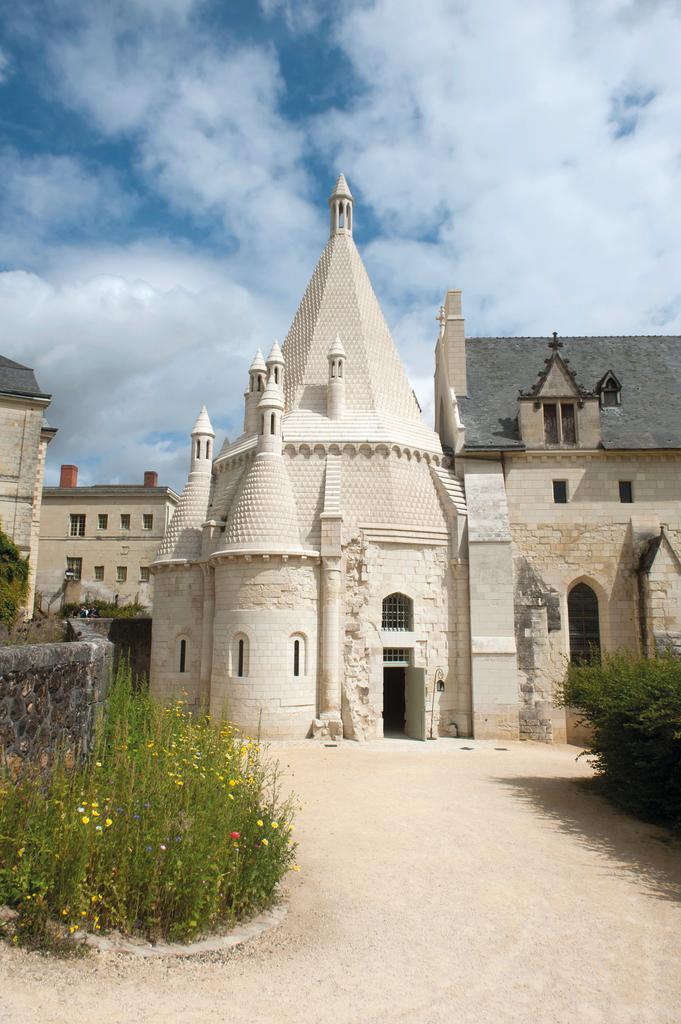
98,542
342,569
24,437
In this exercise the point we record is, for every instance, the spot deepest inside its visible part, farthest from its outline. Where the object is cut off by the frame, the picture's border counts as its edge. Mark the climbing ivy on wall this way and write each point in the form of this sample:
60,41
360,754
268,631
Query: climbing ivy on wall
13,580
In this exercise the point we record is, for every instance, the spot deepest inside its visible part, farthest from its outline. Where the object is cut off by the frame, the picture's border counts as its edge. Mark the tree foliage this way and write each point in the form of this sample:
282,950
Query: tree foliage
13,580
634,707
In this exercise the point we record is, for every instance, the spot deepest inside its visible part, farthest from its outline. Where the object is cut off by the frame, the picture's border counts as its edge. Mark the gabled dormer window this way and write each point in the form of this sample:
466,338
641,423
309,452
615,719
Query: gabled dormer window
609,391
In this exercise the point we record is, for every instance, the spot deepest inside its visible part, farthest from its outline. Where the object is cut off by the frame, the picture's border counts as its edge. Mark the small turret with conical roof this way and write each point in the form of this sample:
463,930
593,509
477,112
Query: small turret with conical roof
182,539
257,374
271,405
340,206
335,388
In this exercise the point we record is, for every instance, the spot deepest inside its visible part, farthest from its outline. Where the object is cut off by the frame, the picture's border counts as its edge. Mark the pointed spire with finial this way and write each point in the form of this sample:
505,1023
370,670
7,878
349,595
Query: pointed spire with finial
341,207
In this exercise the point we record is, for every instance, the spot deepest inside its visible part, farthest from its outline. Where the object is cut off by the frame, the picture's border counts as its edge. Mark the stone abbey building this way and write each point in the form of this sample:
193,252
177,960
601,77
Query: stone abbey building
340,568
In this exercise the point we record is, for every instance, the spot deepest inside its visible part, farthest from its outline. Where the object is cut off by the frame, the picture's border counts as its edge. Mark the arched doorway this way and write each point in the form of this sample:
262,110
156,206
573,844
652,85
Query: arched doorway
584,624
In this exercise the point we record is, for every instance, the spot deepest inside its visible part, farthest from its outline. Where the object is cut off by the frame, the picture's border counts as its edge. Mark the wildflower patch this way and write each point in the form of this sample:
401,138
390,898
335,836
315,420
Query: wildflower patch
160,835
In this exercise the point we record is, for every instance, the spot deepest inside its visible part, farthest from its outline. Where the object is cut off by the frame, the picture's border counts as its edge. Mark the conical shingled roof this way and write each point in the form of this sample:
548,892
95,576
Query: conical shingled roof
182,538
203,424
264,516
339,300
341,188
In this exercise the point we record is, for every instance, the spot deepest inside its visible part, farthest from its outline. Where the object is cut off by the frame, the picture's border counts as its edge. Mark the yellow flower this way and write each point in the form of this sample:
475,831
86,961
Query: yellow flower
72,929
230,796
296,867
179,782
95,803
83,913
275,824
95,814
85,819
98,764
108,822
21,851
232,782
265,842
65,912
259,823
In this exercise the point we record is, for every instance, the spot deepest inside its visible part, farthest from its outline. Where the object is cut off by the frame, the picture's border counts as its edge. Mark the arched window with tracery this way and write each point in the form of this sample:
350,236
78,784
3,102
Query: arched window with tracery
584,624
397,612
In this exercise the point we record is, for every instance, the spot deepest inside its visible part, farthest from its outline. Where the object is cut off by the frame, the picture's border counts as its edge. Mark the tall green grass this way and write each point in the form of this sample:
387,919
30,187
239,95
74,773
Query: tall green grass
173,828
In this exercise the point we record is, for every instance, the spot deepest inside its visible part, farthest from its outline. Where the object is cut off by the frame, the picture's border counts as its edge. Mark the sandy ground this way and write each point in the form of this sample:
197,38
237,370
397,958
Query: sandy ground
438,884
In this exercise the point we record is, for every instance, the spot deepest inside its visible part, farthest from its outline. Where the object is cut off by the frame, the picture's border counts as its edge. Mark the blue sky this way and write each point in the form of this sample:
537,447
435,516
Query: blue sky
166,165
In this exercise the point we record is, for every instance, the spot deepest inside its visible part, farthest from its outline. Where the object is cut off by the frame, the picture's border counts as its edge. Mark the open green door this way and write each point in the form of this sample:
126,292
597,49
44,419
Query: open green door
415,701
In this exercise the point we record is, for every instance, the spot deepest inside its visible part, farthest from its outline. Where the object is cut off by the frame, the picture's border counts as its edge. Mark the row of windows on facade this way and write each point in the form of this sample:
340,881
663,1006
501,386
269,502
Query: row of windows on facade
561,494
77,522
239,655
74,567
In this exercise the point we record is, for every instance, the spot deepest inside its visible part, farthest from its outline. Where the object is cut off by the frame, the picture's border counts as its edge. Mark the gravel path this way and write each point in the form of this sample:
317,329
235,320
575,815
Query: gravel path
438,884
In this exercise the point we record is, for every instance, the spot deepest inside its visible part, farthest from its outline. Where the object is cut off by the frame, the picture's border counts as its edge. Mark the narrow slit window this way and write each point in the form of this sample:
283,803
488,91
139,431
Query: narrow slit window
183,654
276,374
207,449
198,449
296,657
340,367
272,422
550,422
240,659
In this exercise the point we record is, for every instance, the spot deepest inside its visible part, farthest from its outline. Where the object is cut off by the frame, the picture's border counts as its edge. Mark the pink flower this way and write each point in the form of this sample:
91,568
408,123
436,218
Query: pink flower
235,835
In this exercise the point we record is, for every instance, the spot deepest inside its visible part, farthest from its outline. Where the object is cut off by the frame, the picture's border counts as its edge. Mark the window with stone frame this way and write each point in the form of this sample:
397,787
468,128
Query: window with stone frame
99,573
102,521
125,521
147,521
144,573
121,573
559,423
77,524
397,613
74,568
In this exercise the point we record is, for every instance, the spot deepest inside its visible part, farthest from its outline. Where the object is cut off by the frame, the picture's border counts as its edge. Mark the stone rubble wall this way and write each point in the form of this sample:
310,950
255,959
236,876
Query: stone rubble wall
52,694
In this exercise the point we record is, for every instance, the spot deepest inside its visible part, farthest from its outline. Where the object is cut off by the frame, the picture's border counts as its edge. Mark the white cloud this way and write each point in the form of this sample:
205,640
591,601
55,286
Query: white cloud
5,67
130,360
485,143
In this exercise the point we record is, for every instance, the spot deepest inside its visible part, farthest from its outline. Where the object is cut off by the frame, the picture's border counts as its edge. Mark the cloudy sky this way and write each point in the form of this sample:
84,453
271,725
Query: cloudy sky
165,166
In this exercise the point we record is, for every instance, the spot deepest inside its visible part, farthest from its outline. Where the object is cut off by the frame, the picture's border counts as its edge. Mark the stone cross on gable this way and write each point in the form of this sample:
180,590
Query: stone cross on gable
441,316
555,344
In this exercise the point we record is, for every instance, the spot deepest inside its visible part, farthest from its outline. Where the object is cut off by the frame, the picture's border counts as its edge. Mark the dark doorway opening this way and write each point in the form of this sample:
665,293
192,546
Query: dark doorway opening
393,699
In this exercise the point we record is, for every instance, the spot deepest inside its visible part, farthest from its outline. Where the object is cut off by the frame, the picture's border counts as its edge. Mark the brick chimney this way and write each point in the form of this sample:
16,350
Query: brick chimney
150,478
68,476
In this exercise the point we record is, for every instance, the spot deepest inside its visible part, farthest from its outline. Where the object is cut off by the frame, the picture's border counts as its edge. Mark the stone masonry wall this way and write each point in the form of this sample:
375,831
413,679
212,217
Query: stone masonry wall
51,694
592,538
131,639
372,572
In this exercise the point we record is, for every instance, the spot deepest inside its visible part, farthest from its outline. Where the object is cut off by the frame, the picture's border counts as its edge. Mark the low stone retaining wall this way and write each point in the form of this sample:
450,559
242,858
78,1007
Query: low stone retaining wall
51,694
131,639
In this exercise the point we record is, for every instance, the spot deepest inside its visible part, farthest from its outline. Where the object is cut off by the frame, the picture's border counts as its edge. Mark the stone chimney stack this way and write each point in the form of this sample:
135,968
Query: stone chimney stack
68,476
150,478
454,339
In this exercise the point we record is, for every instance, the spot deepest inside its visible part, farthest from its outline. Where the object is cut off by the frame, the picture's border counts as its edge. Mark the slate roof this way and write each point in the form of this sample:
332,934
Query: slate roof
16,379
648,367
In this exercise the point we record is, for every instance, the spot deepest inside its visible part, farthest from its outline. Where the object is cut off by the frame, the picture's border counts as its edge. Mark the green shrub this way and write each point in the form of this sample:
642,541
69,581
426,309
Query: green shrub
106,609
13,581
634,706
173,829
